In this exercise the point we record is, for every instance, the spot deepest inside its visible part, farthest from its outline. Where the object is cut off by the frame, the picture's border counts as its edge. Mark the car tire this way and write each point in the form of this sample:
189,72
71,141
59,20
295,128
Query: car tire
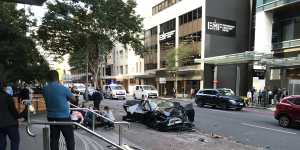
284,121
238,109
200,103
224,106
111,97
134,97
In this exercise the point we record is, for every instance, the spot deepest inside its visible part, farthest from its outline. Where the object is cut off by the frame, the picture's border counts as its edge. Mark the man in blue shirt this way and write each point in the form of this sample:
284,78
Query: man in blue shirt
56,97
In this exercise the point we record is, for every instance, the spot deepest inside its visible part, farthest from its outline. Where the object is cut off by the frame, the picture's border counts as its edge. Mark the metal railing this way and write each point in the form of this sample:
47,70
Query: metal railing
46,136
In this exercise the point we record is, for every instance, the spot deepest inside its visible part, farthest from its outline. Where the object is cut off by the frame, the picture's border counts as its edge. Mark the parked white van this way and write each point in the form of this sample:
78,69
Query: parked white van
114,91
145,91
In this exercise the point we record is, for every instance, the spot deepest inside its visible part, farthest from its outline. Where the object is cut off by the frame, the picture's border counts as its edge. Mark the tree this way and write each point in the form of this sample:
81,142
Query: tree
19,58
89,29
178,57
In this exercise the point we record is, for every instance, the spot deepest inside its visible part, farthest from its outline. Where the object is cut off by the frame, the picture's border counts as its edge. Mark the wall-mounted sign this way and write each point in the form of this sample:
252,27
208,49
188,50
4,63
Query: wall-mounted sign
162,80
260,73
167,35
221,27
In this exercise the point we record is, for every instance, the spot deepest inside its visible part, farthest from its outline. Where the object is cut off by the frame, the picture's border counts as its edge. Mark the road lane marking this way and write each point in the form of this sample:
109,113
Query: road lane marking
266,128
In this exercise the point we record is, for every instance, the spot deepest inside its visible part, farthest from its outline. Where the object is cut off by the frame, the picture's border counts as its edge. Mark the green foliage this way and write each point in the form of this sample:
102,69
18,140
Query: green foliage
19,58
184,53
93,26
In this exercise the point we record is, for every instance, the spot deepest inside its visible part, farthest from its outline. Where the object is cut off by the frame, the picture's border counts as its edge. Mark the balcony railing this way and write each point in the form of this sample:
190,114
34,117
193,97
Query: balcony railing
274,4
286,44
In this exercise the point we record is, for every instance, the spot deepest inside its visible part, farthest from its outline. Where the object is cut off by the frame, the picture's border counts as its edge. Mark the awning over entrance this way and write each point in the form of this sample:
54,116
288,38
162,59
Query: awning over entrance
29,2
251,56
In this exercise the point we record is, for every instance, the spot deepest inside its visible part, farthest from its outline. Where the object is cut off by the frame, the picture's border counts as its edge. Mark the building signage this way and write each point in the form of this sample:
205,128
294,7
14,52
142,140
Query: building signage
221,27
260,73
162,80
167,35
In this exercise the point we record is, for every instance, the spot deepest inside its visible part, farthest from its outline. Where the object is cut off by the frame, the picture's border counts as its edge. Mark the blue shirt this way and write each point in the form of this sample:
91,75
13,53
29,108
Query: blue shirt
56,98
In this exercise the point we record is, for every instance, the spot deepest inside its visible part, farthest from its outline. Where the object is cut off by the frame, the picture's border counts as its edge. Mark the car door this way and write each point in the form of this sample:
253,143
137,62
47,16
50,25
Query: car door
207,97
296,109
213,97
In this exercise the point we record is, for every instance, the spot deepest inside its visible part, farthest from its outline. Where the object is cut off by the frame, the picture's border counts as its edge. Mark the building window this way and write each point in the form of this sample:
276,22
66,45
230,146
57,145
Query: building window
121,70
137,67
190,16
163,5
140,66
126,69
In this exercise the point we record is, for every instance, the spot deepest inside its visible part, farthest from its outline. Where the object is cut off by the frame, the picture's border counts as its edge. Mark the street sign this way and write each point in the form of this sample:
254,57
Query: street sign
162,80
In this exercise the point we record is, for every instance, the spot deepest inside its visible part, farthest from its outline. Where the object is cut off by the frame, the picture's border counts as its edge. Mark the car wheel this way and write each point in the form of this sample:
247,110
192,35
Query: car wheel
134,96
111,97
200,103
224,106
284,121
238,109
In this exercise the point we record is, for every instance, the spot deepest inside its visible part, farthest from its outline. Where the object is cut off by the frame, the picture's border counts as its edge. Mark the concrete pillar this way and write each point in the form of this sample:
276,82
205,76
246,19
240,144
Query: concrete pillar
238,80
215,76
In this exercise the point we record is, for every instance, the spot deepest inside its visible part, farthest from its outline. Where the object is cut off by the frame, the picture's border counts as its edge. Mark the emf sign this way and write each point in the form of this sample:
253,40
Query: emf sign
162,80
221,27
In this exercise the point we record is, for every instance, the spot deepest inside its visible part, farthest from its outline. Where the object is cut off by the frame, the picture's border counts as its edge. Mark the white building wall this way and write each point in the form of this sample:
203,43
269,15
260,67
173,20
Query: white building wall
263,32
177,9
263,42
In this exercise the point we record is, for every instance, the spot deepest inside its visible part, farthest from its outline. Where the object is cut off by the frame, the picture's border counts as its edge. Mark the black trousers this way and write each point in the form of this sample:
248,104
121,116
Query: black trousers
66,130
96,104
13,134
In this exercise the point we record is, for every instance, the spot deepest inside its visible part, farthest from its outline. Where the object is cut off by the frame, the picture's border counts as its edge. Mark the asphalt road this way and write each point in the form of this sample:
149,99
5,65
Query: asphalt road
256,127
251,126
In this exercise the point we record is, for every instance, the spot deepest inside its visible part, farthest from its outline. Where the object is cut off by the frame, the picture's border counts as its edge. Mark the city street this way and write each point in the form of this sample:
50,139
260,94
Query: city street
254,127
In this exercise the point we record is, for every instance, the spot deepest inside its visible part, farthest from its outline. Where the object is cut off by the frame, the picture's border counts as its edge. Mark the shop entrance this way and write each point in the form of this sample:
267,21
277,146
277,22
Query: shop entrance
294,87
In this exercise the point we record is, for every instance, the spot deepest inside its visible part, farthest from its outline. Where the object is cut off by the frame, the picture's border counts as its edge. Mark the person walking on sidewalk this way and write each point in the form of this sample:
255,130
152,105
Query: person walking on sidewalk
8,121
56,97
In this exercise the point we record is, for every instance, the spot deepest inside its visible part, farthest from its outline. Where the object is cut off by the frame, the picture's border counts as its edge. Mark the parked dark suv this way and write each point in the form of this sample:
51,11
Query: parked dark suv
219,98
288,111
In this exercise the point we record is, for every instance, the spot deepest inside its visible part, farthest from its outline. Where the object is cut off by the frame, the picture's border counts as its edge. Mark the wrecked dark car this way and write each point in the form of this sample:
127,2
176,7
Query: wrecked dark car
162,115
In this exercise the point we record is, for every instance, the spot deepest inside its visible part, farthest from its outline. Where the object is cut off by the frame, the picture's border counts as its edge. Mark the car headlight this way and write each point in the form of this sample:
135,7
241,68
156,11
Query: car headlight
232,101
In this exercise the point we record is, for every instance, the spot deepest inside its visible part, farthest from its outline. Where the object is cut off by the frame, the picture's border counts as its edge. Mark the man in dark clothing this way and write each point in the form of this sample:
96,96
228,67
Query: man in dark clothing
56,97
97,98
8,121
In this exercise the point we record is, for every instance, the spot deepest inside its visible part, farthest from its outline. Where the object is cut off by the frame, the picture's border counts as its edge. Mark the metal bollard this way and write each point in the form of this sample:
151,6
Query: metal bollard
120,135
93,122
46,138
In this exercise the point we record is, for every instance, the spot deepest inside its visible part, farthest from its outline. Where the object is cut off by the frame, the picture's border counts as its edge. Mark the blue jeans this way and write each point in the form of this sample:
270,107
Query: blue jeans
13,134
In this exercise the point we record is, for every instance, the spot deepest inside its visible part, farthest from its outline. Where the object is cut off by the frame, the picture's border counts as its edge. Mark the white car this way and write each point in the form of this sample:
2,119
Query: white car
80,87
114,91
145,91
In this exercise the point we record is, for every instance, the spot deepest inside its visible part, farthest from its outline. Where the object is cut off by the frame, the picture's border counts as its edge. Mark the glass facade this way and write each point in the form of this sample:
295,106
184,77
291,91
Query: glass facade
269,4
163,5
190,34
150,54
167,37
286,28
